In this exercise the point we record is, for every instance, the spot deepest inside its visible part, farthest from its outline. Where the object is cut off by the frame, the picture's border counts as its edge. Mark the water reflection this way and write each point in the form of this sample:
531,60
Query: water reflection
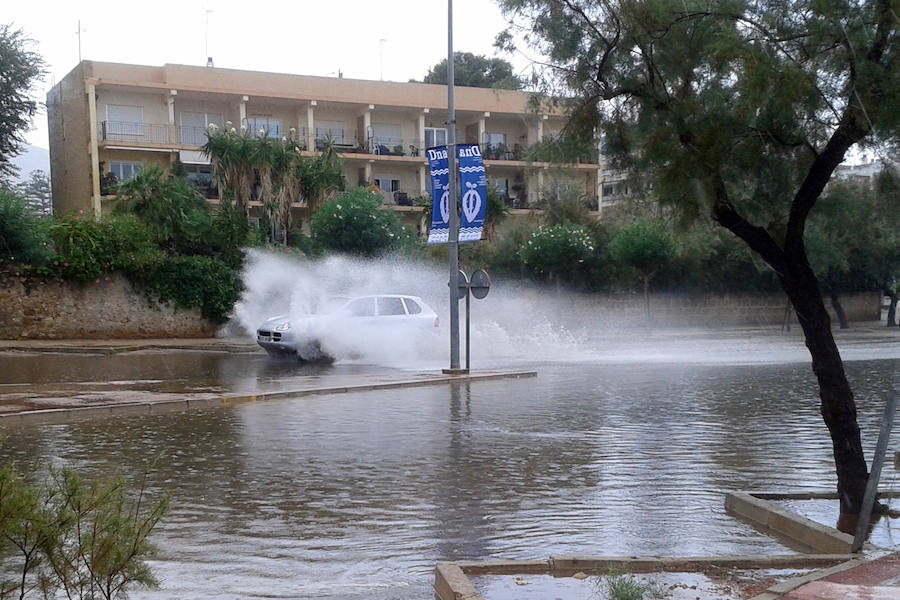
358,495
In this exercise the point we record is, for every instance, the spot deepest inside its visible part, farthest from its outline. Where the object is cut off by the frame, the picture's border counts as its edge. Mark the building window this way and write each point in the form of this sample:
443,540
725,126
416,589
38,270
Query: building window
200,176
330,129
271,126
124,170
388,183
435,136
194,126
500,185
386,139
124,122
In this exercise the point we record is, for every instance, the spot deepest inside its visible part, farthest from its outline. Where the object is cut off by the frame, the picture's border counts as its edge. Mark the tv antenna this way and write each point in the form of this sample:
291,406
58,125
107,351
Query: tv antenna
381,58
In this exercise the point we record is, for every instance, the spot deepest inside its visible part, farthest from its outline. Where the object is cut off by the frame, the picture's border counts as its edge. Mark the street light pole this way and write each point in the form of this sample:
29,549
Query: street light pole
453,238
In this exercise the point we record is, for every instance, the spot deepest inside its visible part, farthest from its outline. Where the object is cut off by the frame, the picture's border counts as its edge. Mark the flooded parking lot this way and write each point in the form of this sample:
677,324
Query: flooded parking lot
626,448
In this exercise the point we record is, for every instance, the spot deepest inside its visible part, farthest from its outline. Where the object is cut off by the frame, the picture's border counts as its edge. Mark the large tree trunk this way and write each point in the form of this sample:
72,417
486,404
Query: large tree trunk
837,405
892,311
836,304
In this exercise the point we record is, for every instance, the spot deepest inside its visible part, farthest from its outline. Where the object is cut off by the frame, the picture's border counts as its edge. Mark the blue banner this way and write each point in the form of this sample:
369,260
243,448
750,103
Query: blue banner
473,187
440,205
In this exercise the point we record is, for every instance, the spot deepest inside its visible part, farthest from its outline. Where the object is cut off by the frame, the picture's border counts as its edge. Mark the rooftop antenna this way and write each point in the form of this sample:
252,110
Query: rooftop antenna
381,59
78,34
209,61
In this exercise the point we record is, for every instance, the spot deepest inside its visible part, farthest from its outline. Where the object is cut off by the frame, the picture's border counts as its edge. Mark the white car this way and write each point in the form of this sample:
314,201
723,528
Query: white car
344,324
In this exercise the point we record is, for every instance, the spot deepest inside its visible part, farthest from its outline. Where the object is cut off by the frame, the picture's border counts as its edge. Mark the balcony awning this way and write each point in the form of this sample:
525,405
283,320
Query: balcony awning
192,157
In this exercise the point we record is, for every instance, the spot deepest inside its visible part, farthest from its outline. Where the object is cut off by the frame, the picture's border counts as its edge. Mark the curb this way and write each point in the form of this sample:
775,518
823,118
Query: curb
58,415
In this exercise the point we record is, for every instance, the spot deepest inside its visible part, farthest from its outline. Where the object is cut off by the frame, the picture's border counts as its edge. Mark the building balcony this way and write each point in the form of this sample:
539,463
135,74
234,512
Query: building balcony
150,134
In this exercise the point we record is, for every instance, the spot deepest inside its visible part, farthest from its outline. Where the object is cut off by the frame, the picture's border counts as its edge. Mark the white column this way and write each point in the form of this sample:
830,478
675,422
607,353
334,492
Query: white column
311,126
422,182
243,109
93,151
421,134
540,127
540,185
482,127
368,174
170,100
367,129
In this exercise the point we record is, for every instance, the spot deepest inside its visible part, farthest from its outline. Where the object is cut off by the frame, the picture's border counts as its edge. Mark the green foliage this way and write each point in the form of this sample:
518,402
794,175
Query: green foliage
195,281
475,70
644,246
20,69
625,587
24,237
85,540
36,192
559,250
172,209
353,223
88,249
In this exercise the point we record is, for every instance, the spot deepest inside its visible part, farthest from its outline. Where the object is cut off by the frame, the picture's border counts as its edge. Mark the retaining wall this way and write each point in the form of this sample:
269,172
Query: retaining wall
36,308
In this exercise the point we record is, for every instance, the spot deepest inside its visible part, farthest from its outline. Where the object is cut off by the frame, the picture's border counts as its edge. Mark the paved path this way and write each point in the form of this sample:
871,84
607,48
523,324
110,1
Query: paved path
878,579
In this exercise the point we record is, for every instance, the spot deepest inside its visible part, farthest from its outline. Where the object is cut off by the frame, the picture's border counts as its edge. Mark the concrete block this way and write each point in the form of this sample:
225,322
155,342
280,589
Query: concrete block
450,583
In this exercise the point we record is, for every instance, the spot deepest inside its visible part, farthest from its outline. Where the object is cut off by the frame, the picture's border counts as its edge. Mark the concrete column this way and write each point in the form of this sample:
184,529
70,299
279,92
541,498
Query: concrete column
170,100
311,126
421,142
93,150
422,181
367,130
540,127
368,173
540,185
482,127
243,109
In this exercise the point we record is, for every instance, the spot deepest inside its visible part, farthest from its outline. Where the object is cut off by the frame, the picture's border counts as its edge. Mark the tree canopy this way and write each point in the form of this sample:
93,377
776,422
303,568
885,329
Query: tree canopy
476,70
20,69
741,111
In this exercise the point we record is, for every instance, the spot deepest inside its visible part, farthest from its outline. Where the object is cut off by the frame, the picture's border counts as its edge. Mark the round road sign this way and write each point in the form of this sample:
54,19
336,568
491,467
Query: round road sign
463,285
480,283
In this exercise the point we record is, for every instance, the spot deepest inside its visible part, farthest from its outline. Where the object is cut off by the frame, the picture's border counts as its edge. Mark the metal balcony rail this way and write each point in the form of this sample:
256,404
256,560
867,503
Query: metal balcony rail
123,131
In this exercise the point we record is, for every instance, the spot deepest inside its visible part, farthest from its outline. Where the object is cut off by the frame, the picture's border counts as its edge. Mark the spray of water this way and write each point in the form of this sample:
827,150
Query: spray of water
517,323
514,322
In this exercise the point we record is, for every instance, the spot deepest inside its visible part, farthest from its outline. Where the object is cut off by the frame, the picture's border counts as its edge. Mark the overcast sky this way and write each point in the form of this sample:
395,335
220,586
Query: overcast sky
308,37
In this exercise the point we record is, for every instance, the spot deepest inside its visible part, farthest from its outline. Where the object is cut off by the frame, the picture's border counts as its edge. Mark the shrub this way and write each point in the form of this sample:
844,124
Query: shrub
173,209
559,250
88,249
24,238
353,223
75,539
195,281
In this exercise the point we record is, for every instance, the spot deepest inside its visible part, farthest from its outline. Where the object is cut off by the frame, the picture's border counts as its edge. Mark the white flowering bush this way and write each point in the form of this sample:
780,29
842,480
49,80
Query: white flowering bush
557,249
353,223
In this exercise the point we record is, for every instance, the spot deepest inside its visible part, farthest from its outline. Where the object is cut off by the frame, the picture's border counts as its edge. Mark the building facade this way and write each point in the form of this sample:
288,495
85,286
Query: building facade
117,118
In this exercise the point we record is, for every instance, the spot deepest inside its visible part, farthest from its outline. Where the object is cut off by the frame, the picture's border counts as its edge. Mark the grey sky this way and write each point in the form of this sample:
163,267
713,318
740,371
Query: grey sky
309,37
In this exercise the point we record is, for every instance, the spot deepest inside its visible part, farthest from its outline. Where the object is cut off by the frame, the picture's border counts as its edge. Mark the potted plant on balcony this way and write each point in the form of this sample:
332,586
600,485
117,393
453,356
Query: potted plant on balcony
109,183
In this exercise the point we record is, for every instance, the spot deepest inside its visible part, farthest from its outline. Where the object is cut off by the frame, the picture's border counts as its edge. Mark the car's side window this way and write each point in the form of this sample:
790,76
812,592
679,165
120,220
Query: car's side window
390,306
412,307
363,307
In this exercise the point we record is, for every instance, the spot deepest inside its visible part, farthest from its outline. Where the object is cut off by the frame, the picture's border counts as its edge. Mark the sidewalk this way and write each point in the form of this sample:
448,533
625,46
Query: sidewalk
877,579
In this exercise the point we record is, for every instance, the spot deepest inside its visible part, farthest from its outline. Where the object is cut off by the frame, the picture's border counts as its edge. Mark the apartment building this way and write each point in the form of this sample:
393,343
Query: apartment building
118,118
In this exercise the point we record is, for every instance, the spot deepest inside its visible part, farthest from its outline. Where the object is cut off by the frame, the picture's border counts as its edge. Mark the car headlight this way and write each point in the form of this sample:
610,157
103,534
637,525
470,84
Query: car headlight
283,327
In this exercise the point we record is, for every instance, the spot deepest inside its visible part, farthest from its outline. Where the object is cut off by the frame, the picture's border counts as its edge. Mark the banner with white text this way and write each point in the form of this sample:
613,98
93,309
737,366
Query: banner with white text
440,205
473,187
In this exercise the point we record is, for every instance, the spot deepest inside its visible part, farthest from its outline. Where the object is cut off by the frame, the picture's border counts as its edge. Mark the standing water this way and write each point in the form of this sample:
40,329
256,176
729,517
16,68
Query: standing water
623,445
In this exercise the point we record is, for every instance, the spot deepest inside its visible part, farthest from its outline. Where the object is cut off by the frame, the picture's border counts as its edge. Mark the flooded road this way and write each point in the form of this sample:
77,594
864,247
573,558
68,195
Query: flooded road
622,451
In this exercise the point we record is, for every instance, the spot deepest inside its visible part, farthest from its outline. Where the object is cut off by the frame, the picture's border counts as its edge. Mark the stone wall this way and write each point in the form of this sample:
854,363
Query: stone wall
35,308
721,310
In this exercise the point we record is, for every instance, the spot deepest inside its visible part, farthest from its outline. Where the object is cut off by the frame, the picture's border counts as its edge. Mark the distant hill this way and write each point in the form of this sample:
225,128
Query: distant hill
32,159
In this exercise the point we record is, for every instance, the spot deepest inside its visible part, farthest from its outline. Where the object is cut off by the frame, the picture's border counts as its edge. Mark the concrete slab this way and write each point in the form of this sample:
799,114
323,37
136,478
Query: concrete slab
823,590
